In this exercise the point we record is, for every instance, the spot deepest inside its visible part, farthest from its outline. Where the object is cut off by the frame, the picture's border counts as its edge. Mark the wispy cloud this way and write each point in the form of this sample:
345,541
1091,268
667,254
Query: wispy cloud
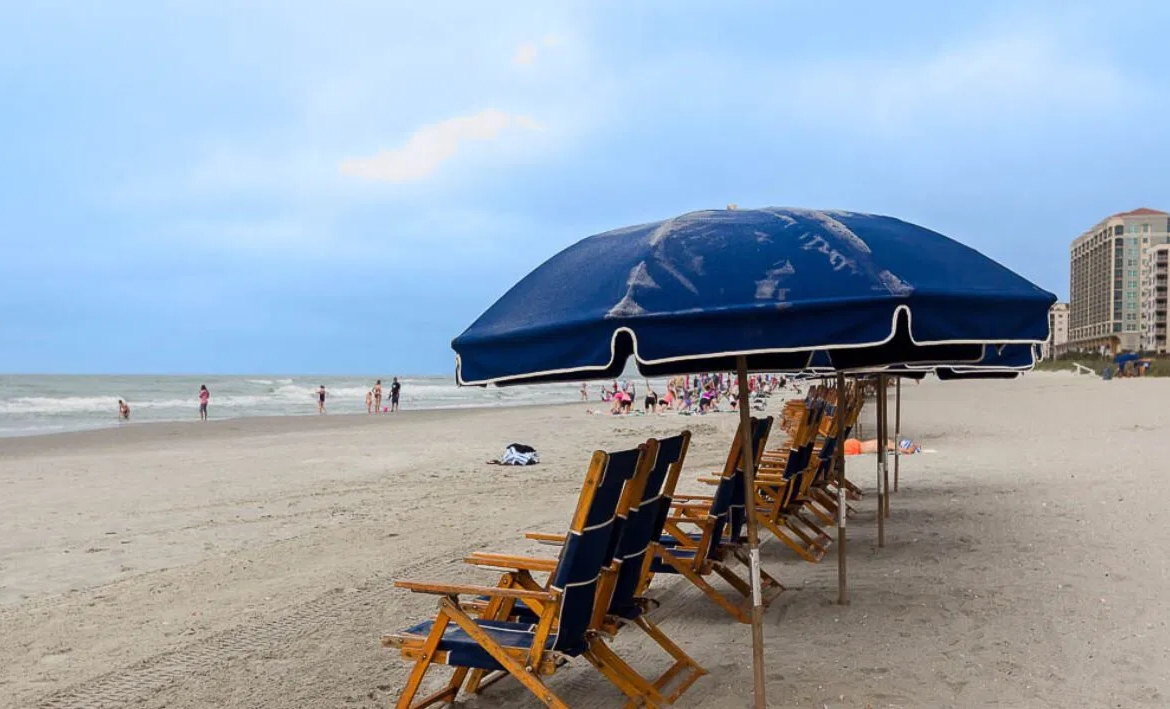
434,144
526,53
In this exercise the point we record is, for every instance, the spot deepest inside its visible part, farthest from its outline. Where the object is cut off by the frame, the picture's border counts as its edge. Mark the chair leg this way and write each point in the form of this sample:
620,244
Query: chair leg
446,695
810,553
790,524
810,524
640,691
708,590
769,585
415,678
529,679
684,664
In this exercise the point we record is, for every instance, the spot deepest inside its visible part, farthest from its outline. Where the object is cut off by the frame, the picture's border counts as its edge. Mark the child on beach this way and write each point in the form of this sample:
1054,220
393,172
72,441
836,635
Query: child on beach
321,400
204,398
369,402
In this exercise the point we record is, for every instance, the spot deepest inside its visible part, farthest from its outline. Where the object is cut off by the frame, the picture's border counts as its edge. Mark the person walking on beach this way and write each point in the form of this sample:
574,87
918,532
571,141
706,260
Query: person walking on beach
378,396
321,400
123,410
204,397
395,390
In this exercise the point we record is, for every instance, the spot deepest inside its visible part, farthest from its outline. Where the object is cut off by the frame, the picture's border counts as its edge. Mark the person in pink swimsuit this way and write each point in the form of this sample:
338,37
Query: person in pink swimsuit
204,397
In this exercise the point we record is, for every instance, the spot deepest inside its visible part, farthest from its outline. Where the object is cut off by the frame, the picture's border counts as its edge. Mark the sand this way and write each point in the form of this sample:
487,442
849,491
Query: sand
250,563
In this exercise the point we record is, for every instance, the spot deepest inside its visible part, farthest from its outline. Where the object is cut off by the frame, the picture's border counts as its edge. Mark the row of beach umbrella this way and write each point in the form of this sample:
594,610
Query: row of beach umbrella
832,293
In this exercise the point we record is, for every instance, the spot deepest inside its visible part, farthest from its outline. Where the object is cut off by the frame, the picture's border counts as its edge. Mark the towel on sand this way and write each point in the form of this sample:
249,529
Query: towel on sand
517,454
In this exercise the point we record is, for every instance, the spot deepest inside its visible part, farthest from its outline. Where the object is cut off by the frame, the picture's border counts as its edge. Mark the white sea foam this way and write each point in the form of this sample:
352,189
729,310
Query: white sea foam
38,404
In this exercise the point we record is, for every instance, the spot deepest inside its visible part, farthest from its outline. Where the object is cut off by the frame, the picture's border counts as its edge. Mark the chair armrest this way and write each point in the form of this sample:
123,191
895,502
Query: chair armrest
507,561
459,589
678,497
544,538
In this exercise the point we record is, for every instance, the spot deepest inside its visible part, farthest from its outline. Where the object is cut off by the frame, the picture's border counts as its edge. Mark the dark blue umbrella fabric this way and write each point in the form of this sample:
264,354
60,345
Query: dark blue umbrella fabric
776,285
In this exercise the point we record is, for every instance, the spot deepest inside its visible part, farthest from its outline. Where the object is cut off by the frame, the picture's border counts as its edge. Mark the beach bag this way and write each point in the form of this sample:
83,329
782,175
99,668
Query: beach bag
519,454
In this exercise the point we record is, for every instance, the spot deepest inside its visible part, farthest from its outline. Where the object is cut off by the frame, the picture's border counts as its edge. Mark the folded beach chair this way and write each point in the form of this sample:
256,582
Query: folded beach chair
639,527
719,520
564,610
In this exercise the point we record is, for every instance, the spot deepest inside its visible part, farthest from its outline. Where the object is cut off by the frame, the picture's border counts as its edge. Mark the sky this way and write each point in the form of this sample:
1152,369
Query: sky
291,187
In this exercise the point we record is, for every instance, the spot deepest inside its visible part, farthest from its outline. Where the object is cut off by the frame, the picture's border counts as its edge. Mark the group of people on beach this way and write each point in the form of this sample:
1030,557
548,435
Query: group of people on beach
374,398
698,394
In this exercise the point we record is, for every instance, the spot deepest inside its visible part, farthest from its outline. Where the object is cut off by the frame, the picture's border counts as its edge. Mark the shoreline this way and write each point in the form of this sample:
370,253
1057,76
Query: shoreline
137,431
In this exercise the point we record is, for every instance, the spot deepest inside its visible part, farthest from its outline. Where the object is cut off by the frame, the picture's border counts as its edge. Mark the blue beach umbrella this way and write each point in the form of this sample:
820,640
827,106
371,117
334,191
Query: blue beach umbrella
752,290
774,285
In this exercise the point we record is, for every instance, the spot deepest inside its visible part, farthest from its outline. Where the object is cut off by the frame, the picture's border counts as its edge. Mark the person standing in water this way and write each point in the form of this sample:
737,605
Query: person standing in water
378,396
123,410
321,400
204,397
395,390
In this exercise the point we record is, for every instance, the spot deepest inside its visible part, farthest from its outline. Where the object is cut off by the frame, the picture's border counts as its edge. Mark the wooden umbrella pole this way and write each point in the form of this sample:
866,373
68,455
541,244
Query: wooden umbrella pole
886,452
839,453
897,427
747,458
881,458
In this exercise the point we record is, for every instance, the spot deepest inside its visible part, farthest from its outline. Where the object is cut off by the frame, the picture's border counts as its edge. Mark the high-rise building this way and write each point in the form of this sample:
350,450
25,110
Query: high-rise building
1057,343
1108,300
1155,270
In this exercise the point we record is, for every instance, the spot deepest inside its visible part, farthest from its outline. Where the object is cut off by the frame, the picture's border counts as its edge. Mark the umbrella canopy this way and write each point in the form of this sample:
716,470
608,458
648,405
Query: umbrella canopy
1125,358
777,285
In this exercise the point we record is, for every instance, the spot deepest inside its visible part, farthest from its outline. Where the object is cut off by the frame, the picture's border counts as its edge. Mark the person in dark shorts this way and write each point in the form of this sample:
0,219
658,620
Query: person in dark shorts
395,390
651,403
321,400
204,397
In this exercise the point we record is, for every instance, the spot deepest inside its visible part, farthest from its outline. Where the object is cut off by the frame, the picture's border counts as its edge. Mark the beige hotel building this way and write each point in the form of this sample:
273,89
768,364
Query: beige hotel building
1117,290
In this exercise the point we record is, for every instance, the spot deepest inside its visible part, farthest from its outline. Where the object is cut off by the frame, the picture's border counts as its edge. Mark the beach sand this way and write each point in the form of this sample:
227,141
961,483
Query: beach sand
250,563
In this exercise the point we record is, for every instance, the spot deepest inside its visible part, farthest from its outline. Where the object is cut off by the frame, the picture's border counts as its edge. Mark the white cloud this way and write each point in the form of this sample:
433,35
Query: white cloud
1005,76
525,54
434,144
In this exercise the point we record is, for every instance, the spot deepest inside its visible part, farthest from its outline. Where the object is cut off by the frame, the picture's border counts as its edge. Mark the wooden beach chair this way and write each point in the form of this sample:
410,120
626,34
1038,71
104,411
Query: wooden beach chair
780,484
719,520
565,610
639,528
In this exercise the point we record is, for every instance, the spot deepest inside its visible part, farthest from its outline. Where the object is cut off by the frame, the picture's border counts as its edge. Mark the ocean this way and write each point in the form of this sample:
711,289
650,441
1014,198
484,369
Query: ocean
38,404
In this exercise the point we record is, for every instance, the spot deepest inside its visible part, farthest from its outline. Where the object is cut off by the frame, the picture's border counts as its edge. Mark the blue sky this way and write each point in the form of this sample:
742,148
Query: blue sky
342,188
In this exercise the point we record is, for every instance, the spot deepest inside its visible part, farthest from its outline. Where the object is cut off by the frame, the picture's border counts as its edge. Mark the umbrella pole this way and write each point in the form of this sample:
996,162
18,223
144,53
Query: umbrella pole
897,427
881,458
749,483
839,452
885,454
